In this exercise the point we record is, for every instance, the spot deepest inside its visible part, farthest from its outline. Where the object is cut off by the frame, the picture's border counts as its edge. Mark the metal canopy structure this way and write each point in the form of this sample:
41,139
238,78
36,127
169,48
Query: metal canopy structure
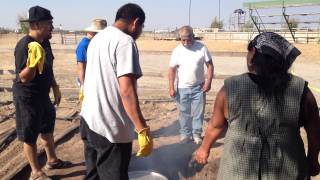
280,3
257,19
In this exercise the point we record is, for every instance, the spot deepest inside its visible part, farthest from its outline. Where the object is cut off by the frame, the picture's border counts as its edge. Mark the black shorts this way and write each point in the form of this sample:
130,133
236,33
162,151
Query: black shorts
33,116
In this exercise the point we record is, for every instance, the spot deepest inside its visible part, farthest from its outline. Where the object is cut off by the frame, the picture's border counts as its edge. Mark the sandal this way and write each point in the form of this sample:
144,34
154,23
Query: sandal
39,176
57,165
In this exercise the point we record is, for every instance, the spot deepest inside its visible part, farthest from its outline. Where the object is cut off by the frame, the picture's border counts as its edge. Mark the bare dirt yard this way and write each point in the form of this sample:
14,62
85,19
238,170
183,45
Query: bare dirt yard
170,157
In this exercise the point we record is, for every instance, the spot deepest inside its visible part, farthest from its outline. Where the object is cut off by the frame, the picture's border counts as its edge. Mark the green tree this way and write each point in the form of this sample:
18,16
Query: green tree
216,23
24,26
4,30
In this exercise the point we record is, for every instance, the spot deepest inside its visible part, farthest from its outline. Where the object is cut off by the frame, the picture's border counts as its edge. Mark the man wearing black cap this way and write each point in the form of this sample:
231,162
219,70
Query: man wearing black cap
35,113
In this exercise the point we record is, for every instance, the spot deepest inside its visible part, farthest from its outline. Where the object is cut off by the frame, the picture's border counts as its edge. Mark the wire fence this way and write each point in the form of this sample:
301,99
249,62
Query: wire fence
74,37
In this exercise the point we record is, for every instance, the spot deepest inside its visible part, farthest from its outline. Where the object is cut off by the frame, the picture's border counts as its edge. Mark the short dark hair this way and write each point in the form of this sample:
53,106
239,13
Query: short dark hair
129,12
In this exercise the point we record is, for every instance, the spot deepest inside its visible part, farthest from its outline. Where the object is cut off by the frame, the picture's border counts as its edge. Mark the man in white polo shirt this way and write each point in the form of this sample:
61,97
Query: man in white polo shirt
187,61
110,108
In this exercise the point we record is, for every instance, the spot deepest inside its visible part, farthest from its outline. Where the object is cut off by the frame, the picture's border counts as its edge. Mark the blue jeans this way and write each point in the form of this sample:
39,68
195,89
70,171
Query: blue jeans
191,103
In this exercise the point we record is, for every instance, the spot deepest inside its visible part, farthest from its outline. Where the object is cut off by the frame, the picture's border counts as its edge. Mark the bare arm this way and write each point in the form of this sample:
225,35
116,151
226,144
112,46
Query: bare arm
129,97
27,74
81,71
56,91
218,122
172,77
312,126
216,126
207,84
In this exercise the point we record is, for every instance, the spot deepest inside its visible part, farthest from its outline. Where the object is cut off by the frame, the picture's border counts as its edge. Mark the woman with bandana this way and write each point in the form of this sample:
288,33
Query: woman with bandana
263,111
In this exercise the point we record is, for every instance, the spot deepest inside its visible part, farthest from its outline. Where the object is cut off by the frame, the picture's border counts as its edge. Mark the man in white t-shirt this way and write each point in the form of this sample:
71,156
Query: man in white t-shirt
110,108
187,61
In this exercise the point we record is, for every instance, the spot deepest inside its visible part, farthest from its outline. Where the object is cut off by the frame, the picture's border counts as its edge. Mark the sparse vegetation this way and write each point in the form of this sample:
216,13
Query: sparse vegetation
248,26
24,26
4,30
216,23
293,24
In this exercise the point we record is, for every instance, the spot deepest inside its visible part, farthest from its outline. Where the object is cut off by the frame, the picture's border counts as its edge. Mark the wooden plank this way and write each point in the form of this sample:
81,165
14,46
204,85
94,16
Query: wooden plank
6,138
10,71
18,162
6,117
66,113
5,89
4,103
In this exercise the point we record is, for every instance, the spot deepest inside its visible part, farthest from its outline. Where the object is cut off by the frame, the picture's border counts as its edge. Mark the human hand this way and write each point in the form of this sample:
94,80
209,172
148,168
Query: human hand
201,156
81,96
172,93
206,87
145,142
56,94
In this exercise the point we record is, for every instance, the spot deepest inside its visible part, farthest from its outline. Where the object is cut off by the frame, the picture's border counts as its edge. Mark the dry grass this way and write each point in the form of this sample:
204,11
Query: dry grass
309,51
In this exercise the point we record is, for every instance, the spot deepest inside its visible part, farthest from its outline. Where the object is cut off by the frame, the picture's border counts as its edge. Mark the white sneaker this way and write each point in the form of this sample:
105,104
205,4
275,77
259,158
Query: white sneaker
197,140
185,139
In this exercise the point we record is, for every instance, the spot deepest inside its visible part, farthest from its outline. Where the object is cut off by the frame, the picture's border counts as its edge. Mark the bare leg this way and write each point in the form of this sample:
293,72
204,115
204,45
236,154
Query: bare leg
48,143
30,151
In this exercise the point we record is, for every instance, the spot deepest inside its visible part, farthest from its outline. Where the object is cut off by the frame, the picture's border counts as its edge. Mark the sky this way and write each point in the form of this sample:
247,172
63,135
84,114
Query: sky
160,14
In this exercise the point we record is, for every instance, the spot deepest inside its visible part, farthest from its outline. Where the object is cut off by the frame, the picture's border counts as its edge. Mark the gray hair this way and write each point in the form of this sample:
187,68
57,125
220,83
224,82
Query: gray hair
186,31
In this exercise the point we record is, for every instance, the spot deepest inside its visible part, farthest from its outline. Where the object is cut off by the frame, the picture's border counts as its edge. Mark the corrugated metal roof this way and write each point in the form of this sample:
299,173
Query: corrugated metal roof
279,3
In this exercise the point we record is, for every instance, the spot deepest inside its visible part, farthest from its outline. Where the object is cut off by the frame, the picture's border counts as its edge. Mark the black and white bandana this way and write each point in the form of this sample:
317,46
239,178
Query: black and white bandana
276,46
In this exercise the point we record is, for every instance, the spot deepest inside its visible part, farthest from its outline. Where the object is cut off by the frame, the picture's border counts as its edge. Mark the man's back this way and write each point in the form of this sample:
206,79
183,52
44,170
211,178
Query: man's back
111,54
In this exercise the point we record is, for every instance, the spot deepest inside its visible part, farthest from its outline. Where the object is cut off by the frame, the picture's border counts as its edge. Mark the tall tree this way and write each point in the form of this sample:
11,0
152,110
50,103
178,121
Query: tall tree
24,26
216,23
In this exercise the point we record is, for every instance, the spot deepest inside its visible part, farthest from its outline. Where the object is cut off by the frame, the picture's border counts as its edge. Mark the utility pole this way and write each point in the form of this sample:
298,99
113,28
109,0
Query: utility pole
189,10
61,33
219,11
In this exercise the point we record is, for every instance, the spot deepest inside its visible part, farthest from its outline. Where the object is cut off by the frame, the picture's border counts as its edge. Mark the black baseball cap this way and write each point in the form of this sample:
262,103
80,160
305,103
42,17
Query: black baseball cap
37,13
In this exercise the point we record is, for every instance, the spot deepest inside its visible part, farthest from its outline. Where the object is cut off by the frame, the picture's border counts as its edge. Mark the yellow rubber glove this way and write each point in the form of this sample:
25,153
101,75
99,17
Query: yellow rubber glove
36,56
145,142
81,96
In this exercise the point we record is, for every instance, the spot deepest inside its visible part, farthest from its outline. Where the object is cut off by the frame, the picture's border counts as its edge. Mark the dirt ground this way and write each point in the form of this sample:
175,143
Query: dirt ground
169,158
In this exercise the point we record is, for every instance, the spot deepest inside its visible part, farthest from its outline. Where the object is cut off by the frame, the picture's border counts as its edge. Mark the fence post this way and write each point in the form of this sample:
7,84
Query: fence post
75,37
61,33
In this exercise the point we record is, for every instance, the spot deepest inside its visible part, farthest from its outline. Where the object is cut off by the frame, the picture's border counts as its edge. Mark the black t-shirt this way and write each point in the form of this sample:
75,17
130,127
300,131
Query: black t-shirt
40,85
